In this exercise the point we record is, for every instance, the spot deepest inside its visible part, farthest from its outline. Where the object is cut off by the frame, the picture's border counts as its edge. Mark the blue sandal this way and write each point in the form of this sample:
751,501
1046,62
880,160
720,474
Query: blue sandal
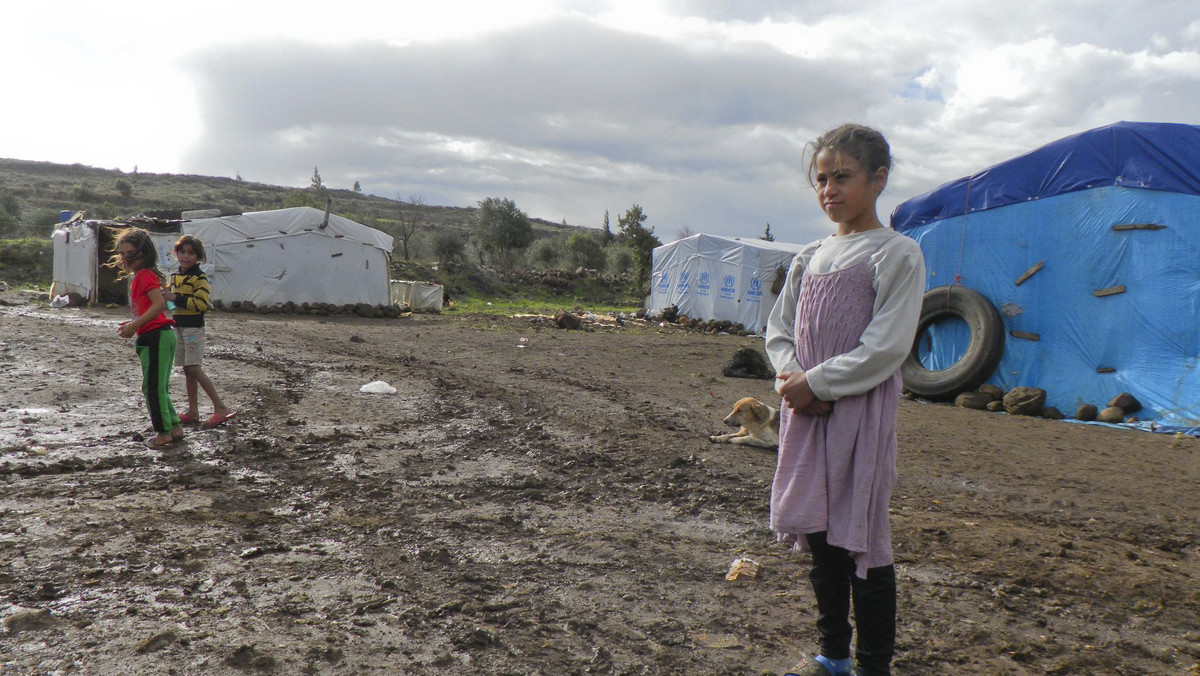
811,667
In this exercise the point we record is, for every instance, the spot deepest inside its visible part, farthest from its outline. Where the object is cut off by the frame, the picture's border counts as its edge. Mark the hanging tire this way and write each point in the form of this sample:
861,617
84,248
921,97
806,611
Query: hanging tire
978,361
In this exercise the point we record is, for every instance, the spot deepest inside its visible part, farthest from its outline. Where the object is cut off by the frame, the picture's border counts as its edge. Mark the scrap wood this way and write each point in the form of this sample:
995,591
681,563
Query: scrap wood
1029,273
1138,226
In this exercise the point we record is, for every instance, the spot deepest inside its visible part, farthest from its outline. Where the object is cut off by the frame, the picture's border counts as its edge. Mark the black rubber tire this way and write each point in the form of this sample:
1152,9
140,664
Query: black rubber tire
978,361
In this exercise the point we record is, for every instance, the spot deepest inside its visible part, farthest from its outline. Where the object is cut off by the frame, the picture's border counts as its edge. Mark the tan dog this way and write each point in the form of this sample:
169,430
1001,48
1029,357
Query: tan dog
758,425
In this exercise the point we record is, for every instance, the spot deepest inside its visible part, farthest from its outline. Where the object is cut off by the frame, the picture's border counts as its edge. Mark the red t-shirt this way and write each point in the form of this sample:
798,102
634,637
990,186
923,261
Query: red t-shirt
139,300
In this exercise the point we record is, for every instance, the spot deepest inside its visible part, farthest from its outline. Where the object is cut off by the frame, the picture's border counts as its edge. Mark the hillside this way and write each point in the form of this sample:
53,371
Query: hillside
38,191
42,189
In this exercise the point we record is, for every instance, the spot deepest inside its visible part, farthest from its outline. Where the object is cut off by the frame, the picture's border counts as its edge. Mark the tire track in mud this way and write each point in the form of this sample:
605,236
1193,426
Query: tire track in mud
491,456
548,509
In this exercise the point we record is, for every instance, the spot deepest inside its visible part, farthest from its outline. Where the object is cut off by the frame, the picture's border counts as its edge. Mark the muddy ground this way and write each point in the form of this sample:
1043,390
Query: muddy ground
536,501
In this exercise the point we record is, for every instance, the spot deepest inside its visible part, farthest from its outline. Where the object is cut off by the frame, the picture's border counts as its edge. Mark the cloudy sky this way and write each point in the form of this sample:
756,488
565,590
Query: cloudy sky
697,110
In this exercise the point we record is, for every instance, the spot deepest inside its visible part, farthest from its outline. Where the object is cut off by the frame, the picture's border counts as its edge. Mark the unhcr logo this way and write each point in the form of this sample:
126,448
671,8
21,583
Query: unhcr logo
727,289
754,293
702,285
684,282
664,284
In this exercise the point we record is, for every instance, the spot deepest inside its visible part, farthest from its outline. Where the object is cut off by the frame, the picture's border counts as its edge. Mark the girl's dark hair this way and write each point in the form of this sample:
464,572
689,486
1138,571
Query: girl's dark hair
194,242
864,144
146,254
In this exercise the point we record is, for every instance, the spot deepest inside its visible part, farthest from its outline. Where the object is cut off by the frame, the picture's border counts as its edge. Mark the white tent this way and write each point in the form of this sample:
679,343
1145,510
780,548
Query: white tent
272,257
80,250
713,277
266,257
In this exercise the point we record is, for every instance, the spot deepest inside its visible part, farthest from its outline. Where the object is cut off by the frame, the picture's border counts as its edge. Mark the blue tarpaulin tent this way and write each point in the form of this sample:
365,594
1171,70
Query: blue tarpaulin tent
1090,248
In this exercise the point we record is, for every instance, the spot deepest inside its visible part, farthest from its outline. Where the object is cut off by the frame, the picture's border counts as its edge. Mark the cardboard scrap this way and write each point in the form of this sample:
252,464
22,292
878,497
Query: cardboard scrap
742,567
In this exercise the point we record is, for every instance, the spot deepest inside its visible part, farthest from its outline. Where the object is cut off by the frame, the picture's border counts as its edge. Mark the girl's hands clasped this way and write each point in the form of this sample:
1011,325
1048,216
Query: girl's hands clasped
799,396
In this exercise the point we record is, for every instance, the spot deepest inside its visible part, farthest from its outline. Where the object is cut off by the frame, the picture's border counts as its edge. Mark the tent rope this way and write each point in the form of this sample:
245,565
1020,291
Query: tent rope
962,240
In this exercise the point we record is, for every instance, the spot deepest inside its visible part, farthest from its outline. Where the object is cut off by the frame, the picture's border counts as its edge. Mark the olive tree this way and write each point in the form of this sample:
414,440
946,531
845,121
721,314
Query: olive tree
583,250
502,231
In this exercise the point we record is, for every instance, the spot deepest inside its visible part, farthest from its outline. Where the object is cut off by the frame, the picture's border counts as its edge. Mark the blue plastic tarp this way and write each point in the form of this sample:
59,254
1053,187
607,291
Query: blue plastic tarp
1147,155
1110,310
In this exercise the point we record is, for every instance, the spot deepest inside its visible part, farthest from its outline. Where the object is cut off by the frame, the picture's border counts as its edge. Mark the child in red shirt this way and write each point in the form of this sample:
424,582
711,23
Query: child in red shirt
136,255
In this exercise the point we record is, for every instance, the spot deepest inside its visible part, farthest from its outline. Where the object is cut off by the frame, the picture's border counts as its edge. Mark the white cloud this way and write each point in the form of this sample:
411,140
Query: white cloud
694,109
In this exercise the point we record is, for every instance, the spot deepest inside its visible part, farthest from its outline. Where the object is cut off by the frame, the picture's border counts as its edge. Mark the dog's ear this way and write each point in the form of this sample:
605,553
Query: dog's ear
759,410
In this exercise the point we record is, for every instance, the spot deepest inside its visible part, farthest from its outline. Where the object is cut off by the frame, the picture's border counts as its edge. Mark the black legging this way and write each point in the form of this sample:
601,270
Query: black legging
834,582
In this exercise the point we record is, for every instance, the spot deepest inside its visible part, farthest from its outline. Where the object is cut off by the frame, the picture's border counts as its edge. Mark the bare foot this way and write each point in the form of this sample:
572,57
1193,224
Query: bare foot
161,440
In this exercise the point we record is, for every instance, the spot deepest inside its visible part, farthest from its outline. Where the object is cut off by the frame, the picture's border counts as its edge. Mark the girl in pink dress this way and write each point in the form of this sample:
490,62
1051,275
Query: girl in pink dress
842,325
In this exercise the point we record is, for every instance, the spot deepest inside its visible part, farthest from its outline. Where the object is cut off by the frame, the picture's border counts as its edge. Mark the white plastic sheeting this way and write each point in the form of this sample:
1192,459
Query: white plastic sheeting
266,257
272,257
75,260
79,253
713,277
417,295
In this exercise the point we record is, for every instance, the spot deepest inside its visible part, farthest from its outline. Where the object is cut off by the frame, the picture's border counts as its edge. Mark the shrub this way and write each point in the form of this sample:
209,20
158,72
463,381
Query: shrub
584,250
620,260
9,225
10,205
544,252
27,261
83,192
448,245
45,218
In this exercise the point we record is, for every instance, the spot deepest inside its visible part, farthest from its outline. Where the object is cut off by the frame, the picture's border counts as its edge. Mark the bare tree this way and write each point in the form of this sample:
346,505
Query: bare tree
409,218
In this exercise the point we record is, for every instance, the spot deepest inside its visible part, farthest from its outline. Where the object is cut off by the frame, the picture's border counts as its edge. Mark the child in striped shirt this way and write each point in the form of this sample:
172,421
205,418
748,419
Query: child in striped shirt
189,292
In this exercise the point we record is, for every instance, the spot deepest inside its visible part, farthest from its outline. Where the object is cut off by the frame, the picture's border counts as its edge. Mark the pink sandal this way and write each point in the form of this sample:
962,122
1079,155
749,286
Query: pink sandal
188,419
217,419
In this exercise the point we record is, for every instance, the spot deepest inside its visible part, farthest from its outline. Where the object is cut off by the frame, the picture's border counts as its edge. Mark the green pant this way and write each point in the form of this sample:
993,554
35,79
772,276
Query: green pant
156,352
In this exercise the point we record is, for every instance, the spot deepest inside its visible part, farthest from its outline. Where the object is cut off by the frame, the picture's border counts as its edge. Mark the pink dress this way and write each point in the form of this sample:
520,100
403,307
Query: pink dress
836,472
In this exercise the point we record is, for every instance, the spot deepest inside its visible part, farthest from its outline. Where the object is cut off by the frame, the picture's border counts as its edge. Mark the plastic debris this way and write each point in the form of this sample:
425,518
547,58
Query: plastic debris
742,567
60,301
377,387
